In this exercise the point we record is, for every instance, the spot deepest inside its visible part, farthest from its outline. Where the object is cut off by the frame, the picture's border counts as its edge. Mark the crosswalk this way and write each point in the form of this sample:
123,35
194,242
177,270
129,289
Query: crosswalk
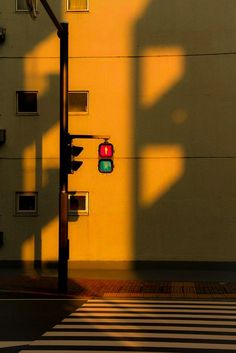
178,326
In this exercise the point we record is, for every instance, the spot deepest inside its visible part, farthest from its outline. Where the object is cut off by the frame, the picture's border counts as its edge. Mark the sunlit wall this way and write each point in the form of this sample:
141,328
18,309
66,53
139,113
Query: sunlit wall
161,79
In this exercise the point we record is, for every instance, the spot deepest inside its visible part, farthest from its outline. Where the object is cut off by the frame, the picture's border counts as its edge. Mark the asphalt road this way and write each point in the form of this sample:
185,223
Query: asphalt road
24,320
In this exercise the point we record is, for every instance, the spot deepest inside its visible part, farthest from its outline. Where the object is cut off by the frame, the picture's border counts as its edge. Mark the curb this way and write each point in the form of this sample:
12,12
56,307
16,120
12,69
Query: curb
32,294
101,288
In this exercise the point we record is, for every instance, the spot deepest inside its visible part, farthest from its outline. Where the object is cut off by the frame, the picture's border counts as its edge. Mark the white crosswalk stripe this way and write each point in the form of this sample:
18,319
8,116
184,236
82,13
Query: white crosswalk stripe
143,326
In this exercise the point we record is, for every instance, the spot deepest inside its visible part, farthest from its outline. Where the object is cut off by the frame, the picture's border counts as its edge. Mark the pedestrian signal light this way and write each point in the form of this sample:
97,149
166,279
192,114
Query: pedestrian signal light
105,150
105,166
105,154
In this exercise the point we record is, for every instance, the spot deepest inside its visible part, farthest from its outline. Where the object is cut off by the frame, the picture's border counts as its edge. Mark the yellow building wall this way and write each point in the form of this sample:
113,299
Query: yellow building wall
161,77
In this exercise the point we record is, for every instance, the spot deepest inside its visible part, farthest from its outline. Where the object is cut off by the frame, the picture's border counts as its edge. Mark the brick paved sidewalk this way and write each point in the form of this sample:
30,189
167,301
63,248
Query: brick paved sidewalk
87,288
161,289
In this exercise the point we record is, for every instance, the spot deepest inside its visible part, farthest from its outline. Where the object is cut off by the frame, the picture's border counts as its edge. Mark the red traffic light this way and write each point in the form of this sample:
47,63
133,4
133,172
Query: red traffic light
105,150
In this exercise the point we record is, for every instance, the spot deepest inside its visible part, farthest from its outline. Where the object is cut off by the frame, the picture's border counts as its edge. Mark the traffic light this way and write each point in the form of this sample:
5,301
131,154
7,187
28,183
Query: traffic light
105,154
73,151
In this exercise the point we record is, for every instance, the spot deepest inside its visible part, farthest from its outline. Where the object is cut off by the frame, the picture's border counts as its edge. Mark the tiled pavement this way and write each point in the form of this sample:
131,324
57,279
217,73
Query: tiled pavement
90,288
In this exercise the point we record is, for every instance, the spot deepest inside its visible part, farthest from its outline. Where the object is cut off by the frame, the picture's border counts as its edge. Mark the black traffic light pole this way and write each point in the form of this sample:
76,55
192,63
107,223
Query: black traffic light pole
65,141
63,180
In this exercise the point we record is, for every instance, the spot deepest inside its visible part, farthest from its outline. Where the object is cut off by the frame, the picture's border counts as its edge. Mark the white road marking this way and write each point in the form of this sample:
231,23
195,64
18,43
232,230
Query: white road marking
125,343
113,311
153,321
148,302
108,335
133,328
121,325
144,315
8,344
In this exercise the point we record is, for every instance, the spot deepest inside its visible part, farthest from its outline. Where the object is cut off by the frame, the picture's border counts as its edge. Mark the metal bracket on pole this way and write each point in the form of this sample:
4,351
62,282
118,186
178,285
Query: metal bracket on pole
52,16
31,4
97,137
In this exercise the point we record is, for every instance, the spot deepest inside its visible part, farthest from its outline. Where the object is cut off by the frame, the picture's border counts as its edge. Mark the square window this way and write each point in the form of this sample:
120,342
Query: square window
22,6
77,5
27,102
78,102
77,203
26,203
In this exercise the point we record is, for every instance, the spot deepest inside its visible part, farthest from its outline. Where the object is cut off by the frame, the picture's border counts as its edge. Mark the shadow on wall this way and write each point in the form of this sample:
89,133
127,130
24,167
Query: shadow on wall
184,116
184,112
30,131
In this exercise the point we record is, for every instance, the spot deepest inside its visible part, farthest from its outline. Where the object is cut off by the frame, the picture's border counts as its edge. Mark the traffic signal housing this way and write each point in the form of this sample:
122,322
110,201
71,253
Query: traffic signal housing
105,154
72,164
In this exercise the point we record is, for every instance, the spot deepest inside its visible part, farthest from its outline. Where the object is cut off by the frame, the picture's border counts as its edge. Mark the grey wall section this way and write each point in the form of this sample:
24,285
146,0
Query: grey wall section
24,131
195,219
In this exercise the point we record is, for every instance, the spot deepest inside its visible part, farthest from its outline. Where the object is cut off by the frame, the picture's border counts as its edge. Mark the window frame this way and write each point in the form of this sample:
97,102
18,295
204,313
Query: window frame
68,10
17,105
18,211
84,212
22,10
79,112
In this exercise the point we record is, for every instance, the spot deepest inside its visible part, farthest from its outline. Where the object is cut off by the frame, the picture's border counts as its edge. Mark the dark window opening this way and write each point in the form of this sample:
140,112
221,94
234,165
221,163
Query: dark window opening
78,102
78,203
27,102
26,203
22,6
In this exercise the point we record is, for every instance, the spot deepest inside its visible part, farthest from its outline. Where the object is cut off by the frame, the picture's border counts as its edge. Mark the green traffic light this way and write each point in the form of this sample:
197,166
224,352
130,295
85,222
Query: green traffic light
105,166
